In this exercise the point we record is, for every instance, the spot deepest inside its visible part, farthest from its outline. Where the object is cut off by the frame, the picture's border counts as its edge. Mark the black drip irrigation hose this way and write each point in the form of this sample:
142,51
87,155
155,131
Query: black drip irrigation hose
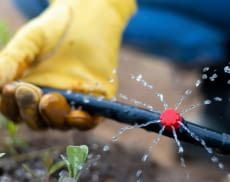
132,115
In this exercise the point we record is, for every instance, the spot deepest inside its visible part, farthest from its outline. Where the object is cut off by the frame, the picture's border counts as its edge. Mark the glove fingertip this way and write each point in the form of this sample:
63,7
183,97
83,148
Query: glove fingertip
54,108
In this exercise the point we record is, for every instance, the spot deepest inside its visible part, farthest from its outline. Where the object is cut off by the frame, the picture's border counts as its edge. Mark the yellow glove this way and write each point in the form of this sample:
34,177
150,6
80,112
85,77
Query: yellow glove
73,45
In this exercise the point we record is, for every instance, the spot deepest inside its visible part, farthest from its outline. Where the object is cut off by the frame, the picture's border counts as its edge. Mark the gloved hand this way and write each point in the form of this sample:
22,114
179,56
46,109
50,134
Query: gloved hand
73,45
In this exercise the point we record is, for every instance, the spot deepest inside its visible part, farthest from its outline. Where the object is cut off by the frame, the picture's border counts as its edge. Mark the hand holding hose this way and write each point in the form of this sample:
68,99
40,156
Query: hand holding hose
73,46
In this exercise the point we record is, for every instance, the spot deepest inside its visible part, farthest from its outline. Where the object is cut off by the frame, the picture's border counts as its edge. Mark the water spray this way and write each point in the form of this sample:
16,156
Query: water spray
136,116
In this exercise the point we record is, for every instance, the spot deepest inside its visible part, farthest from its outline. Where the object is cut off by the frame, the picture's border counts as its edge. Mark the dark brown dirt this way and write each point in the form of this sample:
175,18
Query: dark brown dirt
119,164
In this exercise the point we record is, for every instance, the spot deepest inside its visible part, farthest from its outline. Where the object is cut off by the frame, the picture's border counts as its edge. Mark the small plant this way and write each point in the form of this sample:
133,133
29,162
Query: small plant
12,142
75,160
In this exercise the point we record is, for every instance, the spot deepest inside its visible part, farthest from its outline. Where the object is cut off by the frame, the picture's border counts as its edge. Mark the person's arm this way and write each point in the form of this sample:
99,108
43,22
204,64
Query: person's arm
31,41
179,38
74,46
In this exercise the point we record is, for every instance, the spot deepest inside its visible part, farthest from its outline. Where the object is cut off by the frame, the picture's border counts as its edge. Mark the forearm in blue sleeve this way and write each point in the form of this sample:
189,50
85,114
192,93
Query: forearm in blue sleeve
173,36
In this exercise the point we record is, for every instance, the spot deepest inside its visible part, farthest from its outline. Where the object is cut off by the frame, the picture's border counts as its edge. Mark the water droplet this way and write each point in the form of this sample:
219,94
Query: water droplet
144,83
114,71
139,78
198,82
123,96
106,148
122,130
213,77
80,167
145,158
214,159
150,86
68,92
205,69
204,76
111,80
63,173
138,173
227,69
150,107
221,165
86,100
161,96
192,107
132,76
210,151
188,92
114,138
206,102
182,162
100,98
181,150
218,99
136,102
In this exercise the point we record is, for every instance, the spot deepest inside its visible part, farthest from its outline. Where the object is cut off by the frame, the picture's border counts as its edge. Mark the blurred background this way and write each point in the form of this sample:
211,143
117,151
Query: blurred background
172,61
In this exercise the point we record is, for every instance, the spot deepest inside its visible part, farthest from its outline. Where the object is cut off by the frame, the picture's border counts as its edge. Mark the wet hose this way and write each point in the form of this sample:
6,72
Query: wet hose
132,115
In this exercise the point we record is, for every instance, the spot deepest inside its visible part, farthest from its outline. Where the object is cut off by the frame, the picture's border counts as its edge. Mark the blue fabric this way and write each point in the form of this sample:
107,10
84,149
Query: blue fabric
191,31
177,37
31,8
214,12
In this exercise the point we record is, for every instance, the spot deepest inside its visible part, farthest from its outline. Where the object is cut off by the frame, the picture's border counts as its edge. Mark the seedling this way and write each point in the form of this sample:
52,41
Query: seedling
12,142
75,160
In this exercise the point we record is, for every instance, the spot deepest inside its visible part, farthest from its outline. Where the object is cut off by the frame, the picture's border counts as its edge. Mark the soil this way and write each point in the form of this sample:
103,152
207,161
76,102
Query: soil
119,164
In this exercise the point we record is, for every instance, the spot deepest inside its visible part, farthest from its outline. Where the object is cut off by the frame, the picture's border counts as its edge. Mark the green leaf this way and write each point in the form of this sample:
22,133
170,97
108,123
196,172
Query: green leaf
67,164
76,156
12,128
55,167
